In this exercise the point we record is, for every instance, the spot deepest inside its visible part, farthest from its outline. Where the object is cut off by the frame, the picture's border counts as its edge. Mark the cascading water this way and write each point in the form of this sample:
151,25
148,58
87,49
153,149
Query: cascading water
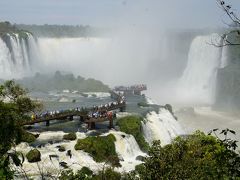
6,64
197,84
161,126
16,55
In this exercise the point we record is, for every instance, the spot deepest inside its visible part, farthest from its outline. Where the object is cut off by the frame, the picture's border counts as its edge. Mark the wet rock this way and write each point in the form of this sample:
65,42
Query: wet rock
123,136
63,164
69,153
53,156
36,135
50,142
140,158
70,136
33,156
61,149
170,109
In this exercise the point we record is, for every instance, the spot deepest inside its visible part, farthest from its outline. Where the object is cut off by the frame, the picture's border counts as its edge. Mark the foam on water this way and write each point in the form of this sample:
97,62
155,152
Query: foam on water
98,94
126,148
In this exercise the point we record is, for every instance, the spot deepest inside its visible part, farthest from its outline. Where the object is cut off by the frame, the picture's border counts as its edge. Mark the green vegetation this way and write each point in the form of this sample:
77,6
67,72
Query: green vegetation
196,156
83,174
132,125
86,174
59,81
108,174
7,27
27,137
101,148
70,136
47,30
33,156
15,107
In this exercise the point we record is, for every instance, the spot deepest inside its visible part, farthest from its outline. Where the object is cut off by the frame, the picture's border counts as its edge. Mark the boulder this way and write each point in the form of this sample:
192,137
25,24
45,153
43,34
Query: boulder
33,156
61,149
140,158
70,136
63,164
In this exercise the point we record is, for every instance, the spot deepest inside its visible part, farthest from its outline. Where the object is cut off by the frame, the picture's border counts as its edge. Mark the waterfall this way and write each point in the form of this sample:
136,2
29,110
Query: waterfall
6,64
161,126
16,55
198,81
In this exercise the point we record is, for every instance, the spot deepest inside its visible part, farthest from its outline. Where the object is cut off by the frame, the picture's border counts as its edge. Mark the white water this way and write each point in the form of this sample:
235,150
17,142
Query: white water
17,63
6,65
197,84
126,148
98,94
161,126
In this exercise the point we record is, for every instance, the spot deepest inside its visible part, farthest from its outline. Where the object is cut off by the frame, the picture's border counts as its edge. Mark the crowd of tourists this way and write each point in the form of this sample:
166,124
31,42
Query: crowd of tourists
95,112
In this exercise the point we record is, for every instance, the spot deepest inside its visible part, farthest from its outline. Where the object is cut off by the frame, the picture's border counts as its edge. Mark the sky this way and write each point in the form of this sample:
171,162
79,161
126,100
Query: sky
102,13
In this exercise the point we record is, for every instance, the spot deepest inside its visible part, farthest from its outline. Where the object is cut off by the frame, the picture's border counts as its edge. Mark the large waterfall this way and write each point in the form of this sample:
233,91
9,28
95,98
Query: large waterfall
17,53
197,84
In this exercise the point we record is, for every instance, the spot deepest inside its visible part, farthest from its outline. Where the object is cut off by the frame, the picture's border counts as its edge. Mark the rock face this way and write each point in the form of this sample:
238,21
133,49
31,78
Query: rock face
33,156
228,88
228,78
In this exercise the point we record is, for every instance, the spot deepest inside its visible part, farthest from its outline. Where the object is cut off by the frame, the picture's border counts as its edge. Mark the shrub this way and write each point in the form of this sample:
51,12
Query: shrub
27,137
101,148
84,173
196,156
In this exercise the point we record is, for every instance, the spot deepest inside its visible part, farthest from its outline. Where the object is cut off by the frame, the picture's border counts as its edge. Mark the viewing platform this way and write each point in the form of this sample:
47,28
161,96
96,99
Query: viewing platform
131,90
83,115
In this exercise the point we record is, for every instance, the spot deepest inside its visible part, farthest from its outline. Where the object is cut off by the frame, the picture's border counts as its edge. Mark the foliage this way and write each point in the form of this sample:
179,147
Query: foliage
47,30
196,156
33,155
101,148
84,174
70,136
108,174
7,28
13,111
27,137
59,81
132,125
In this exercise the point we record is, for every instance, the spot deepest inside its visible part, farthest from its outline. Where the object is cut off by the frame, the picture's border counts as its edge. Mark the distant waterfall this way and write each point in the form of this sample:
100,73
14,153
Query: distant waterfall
16,55
198,81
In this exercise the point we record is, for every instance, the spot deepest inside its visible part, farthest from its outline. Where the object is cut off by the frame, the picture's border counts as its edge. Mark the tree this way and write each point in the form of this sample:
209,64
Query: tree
234,25
196,156
15,108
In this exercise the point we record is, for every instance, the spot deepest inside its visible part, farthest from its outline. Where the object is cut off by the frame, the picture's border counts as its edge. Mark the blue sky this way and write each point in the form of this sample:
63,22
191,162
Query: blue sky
167,13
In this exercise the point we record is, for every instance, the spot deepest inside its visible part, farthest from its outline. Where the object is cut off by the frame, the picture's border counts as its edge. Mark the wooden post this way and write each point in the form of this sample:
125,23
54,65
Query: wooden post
91,125
47,123
81,118
110,123
71,118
